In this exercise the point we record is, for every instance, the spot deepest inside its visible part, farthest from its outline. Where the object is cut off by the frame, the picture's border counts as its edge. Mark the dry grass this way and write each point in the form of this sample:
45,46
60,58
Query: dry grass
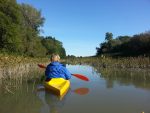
108,62
17,70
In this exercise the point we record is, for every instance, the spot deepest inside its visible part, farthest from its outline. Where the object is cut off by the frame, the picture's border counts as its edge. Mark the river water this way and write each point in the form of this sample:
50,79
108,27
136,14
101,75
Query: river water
106,92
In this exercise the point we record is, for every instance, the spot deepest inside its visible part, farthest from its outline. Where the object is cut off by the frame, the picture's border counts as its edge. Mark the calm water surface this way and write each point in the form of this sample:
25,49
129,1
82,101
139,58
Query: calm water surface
104,94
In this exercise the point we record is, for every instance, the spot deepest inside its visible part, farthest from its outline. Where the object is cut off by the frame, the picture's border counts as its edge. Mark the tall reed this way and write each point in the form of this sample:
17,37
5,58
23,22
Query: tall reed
17,70
108,62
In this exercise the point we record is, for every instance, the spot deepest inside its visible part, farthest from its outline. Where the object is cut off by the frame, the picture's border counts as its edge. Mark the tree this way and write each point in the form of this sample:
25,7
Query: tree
136,45
108,36
31,23
32,17
53,46
20,28
10,36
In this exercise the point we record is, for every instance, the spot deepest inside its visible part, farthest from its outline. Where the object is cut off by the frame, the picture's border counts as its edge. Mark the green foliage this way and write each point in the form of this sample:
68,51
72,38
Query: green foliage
53,46
20,28
109,36
107,45
126,46
32,17
31,22
9,26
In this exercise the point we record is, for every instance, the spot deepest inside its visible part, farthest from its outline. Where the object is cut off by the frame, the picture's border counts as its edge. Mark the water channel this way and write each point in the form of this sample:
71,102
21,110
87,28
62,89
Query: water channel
106,92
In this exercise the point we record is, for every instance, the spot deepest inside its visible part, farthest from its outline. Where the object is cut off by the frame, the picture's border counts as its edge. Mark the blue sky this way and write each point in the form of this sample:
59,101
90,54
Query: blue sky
81,24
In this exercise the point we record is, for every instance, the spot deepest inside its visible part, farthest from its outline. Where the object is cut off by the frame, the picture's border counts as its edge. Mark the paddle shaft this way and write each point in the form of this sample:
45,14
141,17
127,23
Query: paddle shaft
82,77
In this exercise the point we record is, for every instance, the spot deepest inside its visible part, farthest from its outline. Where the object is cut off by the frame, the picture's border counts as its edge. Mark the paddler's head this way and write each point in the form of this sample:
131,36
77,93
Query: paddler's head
55,58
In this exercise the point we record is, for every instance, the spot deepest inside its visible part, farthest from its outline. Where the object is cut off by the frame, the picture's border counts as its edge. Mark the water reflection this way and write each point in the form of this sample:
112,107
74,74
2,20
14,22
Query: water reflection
22,101
138,78
52,103
81,91
49,101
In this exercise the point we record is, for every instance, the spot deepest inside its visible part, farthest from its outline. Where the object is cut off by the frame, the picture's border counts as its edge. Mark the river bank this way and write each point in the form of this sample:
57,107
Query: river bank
108,62
13,66
17,70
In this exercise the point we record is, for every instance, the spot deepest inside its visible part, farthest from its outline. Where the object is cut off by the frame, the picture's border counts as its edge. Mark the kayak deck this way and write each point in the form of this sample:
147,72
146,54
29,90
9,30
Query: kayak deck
57,86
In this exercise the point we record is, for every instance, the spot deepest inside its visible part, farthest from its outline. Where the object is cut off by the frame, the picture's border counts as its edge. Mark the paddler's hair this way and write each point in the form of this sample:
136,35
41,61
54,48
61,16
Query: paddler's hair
55,58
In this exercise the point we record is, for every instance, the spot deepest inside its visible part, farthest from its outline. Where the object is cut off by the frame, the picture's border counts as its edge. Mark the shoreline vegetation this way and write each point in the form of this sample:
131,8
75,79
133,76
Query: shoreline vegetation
109,62
12,66
140,62
18,70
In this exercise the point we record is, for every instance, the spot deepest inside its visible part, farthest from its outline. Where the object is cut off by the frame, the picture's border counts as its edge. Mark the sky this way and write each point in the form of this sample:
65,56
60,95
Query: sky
81,24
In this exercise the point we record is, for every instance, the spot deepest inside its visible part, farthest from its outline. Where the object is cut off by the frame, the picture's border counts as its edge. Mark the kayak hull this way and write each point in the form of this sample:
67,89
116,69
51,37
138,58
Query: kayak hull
57,86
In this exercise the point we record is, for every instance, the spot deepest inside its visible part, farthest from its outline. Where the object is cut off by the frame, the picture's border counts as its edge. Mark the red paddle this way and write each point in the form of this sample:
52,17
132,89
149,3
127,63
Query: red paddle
82,77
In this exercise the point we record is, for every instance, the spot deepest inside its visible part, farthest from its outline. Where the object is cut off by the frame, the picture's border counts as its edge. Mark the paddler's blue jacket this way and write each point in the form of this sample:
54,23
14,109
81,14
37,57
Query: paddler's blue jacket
57,70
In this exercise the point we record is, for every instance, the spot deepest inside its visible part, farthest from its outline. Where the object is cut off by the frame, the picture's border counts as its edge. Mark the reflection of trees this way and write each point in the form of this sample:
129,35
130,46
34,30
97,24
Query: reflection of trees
22,101
109,83
138,78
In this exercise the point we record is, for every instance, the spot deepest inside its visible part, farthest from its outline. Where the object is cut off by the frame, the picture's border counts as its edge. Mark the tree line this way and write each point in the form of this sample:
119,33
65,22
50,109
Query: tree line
136,45
20,27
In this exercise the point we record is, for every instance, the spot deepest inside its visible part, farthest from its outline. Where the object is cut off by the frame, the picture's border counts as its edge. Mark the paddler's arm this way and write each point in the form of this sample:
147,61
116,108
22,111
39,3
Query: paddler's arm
67,73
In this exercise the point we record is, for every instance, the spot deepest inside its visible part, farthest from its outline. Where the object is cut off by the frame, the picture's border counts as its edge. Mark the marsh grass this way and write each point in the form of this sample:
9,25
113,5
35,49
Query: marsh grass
16,71
12,60
12,83
108,62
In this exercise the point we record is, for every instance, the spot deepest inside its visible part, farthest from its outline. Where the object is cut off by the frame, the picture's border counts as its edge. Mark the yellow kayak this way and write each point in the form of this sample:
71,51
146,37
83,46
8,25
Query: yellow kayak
58,86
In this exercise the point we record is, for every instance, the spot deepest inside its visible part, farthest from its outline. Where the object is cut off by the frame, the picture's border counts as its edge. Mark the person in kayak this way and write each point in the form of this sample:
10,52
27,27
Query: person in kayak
56,70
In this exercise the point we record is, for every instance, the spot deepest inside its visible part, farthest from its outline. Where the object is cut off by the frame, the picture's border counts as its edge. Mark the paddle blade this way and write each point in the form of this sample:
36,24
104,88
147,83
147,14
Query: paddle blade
82,77
41,66
81,91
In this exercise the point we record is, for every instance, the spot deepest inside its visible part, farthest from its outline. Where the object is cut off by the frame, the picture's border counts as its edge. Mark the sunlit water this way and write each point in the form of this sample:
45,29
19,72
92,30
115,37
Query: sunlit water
104,95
